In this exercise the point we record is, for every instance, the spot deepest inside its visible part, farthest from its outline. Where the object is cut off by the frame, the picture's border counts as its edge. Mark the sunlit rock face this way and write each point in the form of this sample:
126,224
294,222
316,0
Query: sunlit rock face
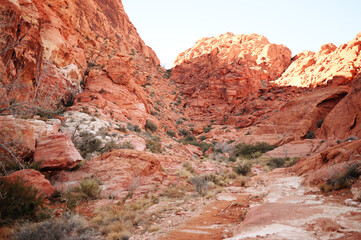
219,71
53,50
331,65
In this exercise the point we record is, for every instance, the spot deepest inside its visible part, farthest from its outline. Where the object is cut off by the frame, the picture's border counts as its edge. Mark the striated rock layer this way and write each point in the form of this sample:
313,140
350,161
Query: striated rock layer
331,65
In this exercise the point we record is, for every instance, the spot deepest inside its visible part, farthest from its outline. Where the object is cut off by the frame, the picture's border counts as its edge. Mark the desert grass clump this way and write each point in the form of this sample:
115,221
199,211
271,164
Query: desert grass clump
66,228
344,179
200,185
281,162
188,166
149,125
18,201
176,191
87,189
242,168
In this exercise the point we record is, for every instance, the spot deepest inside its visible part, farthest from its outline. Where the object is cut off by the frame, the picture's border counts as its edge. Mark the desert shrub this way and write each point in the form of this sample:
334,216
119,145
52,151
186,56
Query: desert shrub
202,138
207,129
65,228
133,128
183,132
171,133
179,121
18,201
188,166
154,146
87,189
319,123
242,168
310,135
113,145
200,185
88,143
222,147
190,139
350,138
216,179
251,150
149,125
344,179
277,162
175,191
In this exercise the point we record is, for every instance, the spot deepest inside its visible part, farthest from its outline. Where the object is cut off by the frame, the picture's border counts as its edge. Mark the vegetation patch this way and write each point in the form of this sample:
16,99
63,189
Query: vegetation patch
149,125
251,150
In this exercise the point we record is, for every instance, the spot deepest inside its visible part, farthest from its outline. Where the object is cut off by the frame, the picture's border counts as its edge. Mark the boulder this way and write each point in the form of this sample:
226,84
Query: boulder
34,178
56,152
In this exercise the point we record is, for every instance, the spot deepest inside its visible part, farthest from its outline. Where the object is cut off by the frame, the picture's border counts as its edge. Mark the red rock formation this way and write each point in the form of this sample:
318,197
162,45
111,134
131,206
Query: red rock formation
345,119
61,44
56,152
120,171
217,71
34,178
331,65
327,164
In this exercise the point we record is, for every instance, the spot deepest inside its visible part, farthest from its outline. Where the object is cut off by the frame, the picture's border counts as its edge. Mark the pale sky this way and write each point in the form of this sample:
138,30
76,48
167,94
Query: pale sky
172,26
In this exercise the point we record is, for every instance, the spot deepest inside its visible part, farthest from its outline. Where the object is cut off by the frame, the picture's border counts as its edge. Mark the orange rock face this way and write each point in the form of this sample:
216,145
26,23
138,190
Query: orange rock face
331,65
34,178
218,71
56,152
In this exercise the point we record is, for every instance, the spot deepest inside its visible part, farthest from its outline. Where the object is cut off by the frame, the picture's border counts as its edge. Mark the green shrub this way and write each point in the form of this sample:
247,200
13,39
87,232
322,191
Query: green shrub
251,150
320,122
18,201
310,135
281,162
207,129
183,132
149,125
88,144
113,145
179,121
242,169
171,133
90,188
202,138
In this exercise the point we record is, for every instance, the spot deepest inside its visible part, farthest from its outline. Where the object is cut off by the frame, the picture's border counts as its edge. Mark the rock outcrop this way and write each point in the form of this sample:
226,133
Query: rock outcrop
326,165
218,71
120,171
331,65
56,152
33,178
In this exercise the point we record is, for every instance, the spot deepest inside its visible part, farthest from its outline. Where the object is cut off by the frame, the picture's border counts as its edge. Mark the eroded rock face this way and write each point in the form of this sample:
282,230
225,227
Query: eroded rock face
56,152
331,65
217,71
35,179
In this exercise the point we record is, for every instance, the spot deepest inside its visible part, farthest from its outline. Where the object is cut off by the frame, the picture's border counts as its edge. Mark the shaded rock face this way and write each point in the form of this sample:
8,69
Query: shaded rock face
217,71
345,119
331,65
35,179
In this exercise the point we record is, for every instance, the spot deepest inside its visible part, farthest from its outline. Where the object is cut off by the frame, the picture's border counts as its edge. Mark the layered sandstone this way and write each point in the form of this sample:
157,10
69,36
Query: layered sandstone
331,65
56,152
